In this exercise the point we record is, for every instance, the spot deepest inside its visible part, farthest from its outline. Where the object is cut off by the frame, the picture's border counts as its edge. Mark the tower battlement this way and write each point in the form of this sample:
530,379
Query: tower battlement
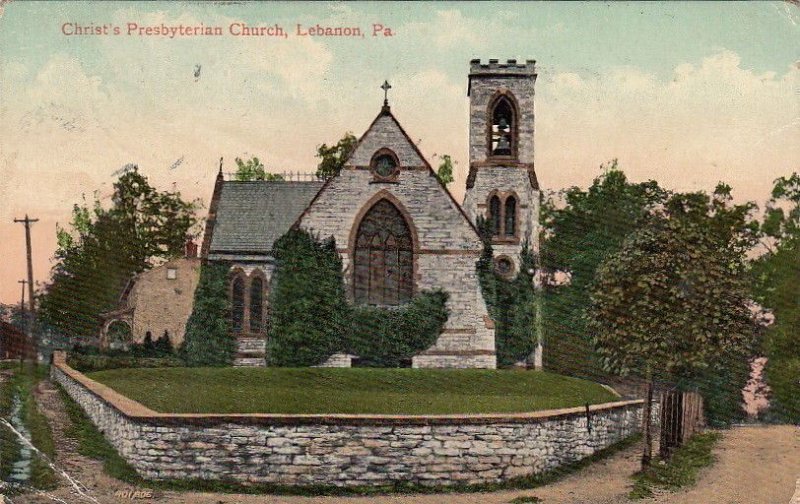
511,66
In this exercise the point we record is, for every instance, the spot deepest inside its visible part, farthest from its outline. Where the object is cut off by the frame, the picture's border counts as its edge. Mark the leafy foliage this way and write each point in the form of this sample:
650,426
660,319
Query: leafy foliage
99,362
445,171
670,303
253,169
13,315
309,310
387,337
311,319
590,226
775,277
207,340
105,247
510,302
579,234
334,157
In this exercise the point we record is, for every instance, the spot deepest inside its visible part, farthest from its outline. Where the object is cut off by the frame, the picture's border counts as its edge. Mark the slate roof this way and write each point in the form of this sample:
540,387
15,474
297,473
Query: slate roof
252,215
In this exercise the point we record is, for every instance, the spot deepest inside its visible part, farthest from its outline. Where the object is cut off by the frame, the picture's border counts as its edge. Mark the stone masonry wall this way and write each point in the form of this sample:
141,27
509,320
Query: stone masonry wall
446,250
347,450
163,304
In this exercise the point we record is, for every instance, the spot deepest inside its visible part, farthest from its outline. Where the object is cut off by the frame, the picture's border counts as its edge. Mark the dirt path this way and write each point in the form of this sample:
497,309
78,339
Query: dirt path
87,471
755,465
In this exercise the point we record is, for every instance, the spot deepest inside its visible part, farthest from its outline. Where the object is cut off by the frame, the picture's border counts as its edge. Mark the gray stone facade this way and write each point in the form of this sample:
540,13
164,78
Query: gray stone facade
446,245
246,217
503,175
157,301
347,450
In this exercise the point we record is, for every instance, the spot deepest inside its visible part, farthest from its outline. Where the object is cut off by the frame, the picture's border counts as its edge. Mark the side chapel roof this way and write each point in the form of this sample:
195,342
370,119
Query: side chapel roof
252,215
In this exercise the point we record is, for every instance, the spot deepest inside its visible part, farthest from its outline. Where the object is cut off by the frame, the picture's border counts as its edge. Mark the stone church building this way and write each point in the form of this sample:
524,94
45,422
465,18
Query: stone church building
398,229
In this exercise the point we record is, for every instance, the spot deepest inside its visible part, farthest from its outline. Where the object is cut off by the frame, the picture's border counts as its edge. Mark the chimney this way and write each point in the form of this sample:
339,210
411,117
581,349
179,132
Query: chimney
190,248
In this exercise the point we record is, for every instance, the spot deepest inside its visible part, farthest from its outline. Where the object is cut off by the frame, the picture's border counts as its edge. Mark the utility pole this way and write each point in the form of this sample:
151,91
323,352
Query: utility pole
22,300
27,222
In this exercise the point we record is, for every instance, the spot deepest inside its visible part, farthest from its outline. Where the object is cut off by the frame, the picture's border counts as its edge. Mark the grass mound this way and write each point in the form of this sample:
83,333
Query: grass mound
369,391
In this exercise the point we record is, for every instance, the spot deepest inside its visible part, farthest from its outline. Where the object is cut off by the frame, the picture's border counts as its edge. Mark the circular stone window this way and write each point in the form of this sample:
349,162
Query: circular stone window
385,166
504,266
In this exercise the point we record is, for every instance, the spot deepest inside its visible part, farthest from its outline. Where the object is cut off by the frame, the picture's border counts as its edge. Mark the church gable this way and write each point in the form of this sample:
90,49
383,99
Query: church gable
440,223
386,133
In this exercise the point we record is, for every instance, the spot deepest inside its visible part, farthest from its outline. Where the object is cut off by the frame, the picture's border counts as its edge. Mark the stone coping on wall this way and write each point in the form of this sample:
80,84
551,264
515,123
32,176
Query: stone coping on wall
142,414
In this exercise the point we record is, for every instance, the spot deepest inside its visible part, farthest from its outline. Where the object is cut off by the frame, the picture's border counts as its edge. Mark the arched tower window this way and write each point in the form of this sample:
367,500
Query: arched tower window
503,132
237,304
510,227
494,214
256,304
383,257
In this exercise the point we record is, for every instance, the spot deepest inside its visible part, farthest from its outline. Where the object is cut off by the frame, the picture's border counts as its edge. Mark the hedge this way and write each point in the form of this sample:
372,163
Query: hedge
389,337
207,340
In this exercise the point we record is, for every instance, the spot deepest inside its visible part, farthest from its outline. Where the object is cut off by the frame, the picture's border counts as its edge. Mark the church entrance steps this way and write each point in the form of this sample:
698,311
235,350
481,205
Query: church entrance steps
249,362
251,351
251,345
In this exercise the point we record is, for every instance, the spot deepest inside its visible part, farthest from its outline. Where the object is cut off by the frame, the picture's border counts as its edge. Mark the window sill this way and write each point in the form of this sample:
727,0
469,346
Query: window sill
505,240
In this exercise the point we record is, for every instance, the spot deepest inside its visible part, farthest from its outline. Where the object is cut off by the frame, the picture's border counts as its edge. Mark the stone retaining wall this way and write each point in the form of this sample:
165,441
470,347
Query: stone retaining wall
347,450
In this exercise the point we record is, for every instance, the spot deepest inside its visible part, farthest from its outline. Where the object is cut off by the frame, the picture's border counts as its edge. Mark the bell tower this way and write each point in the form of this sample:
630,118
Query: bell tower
501,185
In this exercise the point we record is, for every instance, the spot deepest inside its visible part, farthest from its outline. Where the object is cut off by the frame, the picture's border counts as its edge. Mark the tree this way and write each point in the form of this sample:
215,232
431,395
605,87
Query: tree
579,233
103,248
207,340
445,171
668,305
333,157
13,315
735,230
253,169
776,287
309,311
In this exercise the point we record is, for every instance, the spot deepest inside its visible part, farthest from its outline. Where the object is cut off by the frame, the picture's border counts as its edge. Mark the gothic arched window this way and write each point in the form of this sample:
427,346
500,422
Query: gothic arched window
256,304
494,214
383,258
237,304
503,136
510,228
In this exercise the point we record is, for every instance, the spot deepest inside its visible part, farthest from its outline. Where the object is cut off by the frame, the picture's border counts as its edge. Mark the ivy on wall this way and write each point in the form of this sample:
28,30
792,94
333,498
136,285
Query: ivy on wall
311,318
309,311
207,340
509,301
389,337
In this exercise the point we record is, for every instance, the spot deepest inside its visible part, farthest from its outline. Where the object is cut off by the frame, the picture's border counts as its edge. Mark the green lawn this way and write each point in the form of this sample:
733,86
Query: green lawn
360,390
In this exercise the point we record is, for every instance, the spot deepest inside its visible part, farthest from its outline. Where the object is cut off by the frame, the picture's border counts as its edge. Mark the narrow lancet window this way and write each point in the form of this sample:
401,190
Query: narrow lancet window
511,216
237,304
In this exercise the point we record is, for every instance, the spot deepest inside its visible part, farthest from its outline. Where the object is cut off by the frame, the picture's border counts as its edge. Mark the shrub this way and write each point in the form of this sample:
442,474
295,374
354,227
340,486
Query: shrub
90,363
309,311
208,340
782,376
163,346
387,337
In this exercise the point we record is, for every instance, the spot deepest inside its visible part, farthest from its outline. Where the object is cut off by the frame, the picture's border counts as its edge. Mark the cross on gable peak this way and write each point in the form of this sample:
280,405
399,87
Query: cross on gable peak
386,87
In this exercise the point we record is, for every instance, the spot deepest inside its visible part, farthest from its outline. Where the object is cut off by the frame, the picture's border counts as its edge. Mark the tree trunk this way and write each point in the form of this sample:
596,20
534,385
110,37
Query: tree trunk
647,452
